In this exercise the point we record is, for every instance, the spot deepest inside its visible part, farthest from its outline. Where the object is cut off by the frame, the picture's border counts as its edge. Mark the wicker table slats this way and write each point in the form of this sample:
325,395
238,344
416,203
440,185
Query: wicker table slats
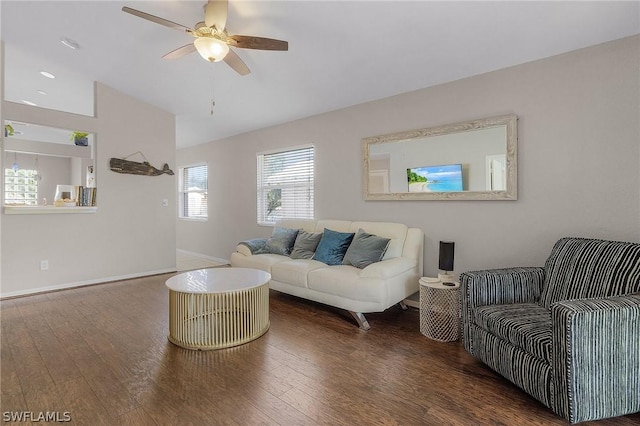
213,309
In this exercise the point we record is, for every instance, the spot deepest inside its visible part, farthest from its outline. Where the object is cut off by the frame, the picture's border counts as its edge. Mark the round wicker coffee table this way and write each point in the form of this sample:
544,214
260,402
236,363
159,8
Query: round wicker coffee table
439,310
218,308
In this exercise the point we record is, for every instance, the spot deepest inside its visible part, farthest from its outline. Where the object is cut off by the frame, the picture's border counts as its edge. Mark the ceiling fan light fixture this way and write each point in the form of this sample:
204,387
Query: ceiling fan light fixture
211,49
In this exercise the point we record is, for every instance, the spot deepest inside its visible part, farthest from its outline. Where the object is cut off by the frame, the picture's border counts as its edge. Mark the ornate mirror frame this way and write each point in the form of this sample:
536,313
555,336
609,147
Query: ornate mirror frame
422,139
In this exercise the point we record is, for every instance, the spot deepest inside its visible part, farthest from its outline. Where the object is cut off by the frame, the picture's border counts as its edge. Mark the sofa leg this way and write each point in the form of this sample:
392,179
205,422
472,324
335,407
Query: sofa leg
361,320
403,306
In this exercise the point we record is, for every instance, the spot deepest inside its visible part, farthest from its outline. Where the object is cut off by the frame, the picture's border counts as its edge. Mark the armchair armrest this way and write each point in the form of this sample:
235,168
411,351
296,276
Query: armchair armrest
595,358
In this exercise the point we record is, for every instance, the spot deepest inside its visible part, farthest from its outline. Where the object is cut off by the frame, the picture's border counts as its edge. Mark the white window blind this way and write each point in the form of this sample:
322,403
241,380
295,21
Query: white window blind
193,200
285,185
20,187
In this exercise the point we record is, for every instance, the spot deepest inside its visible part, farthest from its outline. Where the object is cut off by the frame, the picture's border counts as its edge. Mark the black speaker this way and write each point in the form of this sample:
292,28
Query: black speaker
447,249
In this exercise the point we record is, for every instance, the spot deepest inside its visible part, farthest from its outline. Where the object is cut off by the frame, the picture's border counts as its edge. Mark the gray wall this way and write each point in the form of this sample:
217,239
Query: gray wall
578,162
131,234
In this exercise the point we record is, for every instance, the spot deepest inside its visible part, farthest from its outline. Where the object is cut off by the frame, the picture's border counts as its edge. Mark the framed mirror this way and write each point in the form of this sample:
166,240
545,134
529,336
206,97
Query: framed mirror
474,160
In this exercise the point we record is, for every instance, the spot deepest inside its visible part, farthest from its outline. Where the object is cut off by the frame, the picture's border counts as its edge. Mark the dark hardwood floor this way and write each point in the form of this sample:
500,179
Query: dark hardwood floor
101,354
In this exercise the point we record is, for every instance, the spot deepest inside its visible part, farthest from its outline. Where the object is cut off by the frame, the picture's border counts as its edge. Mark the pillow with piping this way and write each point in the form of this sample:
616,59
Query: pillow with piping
365,249
332,246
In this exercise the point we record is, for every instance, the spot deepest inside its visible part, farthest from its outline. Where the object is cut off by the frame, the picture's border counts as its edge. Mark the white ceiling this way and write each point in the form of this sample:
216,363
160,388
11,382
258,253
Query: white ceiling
341,53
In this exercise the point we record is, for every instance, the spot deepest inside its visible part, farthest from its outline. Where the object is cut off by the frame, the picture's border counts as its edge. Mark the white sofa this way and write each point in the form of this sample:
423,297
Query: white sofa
371,289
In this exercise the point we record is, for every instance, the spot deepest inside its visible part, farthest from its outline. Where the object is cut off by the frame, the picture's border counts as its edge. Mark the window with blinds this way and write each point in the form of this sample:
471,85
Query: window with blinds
285,185
21,187
193,201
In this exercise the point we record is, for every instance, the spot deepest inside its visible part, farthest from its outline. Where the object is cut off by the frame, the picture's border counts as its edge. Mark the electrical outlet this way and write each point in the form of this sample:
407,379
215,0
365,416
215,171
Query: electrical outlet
44,265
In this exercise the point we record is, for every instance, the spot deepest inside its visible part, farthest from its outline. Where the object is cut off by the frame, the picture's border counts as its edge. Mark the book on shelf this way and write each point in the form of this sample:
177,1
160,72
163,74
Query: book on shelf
86,197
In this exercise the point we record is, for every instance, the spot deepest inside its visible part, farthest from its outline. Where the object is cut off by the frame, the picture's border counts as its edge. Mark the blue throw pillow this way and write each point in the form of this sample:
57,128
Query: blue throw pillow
332,247
365,249
281,241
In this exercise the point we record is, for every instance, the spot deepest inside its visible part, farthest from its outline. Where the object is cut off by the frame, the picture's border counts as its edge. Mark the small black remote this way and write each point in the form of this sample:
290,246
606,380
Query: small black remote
448,284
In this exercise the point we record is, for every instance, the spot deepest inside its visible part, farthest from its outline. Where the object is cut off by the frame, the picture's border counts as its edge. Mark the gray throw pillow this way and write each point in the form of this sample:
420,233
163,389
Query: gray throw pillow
365,249
305,245
281,241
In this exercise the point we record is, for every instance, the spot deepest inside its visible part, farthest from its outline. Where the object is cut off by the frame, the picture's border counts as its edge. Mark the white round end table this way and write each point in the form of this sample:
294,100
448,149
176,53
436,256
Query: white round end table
439,310
218,308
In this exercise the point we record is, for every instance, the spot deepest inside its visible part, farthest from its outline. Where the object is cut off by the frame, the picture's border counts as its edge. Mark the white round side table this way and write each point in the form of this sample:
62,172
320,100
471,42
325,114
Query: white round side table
218,308
439,310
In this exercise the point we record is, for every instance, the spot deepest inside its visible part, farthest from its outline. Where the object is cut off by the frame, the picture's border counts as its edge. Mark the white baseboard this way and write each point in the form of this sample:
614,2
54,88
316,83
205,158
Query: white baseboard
202,256
84,283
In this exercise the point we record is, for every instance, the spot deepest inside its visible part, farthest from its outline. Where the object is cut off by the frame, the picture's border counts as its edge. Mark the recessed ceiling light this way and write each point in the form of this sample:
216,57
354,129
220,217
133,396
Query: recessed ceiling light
47,74
42,92
29,103
71,44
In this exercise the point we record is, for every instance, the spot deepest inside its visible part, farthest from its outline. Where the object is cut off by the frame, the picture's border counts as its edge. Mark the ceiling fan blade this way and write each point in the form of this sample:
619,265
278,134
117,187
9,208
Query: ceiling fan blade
216,14
238,65
180,51
260,43
156,19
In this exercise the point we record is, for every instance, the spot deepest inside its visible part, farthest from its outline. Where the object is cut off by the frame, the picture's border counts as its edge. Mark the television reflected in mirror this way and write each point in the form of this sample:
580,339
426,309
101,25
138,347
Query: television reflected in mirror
442,178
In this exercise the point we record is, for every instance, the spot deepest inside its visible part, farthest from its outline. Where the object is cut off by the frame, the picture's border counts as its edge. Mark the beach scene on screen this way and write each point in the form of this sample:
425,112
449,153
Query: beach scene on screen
441,178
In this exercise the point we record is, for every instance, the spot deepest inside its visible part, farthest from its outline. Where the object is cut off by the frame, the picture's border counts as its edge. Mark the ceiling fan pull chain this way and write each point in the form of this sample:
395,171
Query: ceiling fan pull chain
213,102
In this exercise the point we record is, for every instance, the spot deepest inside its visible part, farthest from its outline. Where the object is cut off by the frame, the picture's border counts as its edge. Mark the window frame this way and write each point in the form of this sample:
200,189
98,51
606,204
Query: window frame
262,194
184,194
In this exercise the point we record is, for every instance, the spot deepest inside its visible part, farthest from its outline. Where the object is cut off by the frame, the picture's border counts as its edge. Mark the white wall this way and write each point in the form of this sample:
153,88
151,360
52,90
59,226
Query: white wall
131,234
578,162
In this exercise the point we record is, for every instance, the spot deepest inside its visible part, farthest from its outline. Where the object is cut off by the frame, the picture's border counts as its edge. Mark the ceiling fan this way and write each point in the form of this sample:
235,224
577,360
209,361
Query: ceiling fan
212,41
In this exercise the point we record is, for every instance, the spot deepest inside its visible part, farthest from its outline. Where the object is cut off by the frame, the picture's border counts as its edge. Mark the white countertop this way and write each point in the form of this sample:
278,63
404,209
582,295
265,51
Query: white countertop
9,209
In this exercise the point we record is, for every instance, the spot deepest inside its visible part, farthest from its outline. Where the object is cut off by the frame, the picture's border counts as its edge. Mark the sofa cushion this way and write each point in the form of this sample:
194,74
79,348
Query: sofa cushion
305,245
332,247
580,268
263,262
336,225
525,325
294,271
281,241
308,225
365,249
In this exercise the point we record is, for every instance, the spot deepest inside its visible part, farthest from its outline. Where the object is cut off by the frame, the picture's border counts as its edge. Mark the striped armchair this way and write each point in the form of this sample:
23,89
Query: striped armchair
567,333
